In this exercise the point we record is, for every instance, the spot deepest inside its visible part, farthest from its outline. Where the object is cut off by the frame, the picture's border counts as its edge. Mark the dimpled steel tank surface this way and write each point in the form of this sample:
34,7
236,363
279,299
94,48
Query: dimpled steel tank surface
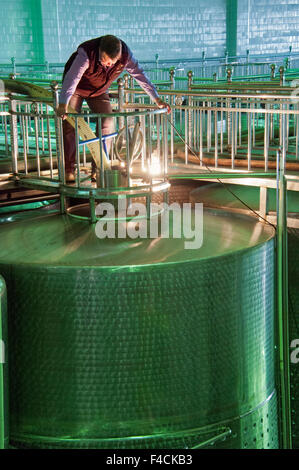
140,343
4,438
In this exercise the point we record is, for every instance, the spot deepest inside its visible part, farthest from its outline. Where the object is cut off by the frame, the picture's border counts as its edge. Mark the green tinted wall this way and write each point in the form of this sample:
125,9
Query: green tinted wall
267,26
37,30
21,31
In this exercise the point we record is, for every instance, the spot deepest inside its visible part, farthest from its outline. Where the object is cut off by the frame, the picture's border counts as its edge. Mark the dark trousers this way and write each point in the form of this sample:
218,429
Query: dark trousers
98,104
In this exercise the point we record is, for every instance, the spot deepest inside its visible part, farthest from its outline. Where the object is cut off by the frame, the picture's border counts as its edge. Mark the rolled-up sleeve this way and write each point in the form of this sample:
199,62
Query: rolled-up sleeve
73,76
134,69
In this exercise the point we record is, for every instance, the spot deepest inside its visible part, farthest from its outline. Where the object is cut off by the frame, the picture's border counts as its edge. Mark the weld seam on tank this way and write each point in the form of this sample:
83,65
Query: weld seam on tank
215,427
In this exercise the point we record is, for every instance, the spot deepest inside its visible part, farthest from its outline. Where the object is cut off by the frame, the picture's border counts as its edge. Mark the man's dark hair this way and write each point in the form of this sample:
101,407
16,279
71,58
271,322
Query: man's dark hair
111,45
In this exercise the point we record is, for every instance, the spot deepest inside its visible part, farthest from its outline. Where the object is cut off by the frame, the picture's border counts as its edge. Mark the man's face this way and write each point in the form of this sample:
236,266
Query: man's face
106,60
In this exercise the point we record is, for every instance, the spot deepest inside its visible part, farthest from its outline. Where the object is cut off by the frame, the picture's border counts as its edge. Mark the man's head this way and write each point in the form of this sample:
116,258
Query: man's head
110,50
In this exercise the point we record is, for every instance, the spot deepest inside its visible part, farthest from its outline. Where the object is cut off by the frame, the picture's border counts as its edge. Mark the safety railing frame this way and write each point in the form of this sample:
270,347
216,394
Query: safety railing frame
58,184
176,75
231,111
284,58
276,97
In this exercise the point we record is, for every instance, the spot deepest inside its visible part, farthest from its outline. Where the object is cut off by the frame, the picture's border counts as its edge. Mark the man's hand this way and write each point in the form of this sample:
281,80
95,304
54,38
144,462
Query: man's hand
61,111
161,104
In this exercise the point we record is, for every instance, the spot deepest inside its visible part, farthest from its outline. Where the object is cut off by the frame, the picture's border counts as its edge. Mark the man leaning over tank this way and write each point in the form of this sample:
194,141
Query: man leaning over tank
87,76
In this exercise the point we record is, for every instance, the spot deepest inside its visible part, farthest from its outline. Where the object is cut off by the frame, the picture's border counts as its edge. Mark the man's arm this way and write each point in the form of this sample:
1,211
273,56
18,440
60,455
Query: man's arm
71,80
138,73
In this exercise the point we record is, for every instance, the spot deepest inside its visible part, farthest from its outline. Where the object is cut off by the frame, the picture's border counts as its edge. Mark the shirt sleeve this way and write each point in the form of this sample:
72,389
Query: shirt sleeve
138,73
73,76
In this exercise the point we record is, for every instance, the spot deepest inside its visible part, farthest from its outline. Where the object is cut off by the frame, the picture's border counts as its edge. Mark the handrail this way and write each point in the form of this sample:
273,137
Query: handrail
240,59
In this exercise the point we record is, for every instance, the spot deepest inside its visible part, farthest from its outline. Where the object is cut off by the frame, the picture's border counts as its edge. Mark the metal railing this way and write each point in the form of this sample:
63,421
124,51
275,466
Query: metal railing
34,139
234,125
230,124
203,68
290,58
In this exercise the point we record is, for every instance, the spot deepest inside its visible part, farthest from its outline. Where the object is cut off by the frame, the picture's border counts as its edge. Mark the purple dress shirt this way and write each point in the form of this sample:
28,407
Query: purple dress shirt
81,63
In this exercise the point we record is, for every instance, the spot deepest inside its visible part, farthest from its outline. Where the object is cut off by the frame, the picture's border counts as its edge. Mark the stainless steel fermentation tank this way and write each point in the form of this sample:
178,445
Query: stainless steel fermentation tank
4,436
293,260
140,343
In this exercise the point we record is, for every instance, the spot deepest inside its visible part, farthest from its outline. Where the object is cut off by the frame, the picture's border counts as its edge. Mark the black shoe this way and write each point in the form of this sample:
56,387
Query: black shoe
93,171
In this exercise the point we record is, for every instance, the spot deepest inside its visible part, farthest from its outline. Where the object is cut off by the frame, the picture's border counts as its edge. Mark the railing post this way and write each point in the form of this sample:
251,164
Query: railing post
157,60
92,205
131,82
226,56
203,63
264,202
121,94
171,77
14,135
126,80
59,142
157,65
121,98
126,86
290,53
190,77
272,66
229,75
188,118
286,63
230,119
13,63
281,73
282,298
